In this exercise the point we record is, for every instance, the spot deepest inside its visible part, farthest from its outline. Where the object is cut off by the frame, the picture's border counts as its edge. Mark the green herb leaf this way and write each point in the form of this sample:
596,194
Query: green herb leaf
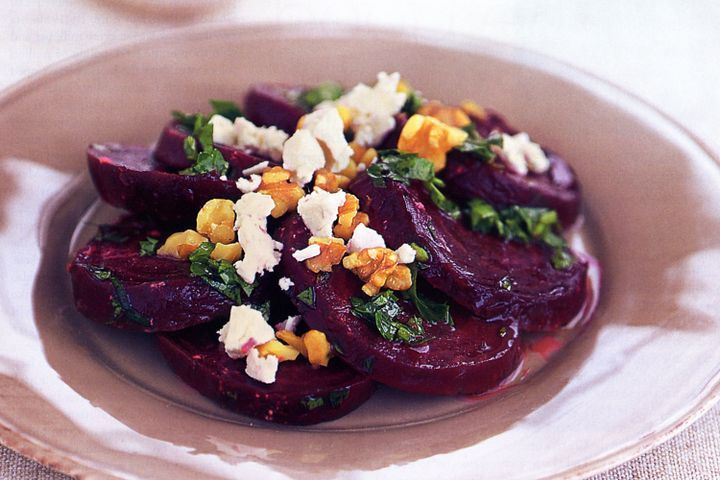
187,120
219,274
412,103
444,203
120,301
209,159
337,397
311,98
479,147
431,311
381,311
226,108
421,255
148,247
307,296
311,402
506,283
522,224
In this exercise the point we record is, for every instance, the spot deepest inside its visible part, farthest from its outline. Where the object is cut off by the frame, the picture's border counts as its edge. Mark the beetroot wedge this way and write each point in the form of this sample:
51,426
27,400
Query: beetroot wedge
169,151
301,394
483,273
113,284
467,177
270,104
472,357
129,178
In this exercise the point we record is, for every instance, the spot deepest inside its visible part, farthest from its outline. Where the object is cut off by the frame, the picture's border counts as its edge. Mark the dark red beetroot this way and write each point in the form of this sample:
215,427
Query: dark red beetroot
301,394
148,293
473,357
467,177
129,178
470,267
169,151
269,104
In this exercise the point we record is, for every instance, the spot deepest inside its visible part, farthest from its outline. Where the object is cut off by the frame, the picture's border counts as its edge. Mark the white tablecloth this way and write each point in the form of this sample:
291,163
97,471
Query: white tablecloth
665,51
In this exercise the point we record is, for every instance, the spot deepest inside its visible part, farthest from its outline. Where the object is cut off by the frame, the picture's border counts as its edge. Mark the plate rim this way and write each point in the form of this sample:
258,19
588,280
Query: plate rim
50,457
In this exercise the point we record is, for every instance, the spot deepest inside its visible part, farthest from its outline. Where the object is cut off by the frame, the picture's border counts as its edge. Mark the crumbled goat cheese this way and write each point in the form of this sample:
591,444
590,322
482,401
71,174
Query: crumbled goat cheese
246,185
364,237
223,131
289,324
261,251
319,211
310,251
303,155
256,169
374,108
521,154
406,253
326,125
266,141
261,369
245,329
285,283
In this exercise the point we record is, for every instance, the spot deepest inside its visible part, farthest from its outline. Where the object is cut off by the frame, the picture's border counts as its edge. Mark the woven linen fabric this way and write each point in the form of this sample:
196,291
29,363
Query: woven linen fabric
692,455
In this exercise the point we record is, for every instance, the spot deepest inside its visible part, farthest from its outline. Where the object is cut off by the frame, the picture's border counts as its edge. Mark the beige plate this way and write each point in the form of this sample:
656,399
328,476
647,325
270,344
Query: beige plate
88,400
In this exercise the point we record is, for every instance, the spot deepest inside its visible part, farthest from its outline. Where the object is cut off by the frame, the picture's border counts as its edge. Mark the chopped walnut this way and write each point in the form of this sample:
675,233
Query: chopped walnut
276,183
378,267
349,217
330,182
453,116
181,244
346,232
472,108
363,155
430,138
332,251
215,220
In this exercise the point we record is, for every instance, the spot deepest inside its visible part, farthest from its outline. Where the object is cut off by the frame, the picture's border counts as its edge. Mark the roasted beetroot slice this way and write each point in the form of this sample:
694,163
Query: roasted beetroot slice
268,104
471,268
473,357
113,284
467,177
301,394
169,151
129,178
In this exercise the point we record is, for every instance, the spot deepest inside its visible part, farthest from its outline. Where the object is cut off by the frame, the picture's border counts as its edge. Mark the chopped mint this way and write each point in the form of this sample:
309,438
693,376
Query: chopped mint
307,296
381,311
328,91
219,274
148,247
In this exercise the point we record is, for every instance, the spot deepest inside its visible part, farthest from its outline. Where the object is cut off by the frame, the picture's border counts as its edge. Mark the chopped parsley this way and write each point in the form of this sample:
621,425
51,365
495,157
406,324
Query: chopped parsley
148,247
219,274
111,233
337,397
209,159
521,224
477,146
120,300
403,167
381,310
311,402
413,102
431,311
313,97
421,255
307,296
226,108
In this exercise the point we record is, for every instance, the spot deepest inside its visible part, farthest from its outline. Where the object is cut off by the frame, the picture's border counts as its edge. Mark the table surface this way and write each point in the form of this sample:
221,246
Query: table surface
664,51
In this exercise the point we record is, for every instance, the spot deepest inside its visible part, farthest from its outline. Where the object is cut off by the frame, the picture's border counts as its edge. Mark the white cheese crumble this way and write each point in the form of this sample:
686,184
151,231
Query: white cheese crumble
326,125
245,329
319,211
303,155
261,251
285,283
310,251
374,108
364,237
289,324
223,131
256,169
261,369
521,154
406,253
246,185
266,141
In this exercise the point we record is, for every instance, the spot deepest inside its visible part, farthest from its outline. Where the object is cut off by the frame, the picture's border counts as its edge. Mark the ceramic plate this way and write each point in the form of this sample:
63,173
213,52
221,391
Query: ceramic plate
89,400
